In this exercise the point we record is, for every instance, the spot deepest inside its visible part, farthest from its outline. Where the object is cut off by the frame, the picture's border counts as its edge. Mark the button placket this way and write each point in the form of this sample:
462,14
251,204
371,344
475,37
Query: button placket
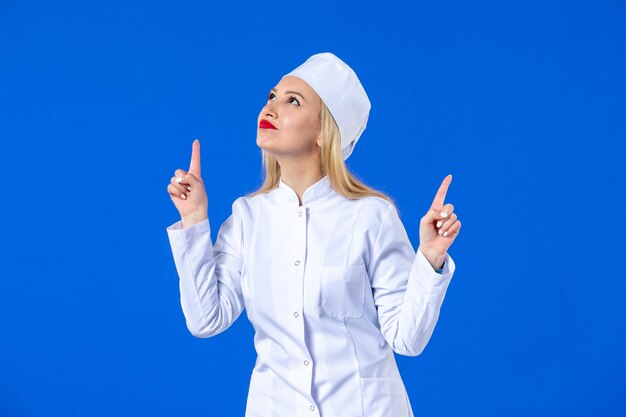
300,214
296,263
299,254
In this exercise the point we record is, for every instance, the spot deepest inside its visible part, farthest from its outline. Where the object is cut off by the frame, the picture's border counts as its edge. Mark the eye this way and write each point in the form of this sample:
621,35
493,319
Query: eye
269,97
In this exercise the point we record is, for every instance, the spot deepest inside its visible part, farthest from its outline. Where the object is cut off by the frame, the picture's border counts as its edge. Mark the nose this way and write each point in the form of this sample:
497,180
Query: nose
268,109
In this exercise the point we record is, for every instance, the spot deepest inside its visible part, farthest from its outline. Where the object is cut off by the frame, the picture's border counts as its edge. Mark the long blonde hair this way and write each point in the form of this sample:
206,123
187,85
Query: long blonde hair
333,165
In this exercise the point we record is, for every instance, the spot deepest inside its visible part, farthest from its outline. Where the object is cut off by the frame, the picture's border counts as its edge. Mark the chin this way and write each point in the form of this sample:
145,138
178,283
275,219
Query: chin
264,144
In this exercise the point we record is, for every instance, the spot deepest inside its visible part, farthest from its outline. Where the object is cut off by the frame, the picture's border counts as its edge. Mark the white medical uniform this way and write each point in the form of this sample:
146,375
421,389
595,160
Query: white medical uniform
332,289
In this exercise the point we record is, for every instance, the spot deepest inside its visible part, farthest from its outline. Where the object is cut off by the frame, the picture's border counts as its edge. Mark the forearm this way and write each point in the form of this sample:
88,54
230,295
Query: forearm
209,286
421,304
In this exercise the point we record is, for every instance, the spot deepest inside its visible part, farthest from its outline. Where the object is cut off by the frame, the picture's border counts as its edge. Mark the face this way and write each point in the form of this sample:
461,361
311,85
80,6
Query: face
293,108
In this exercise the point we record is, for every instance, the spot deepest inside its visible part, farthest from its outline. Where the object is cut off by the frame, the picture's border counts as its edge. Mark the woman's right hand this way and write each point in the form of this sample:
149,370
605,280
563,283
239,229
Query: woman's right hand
187,192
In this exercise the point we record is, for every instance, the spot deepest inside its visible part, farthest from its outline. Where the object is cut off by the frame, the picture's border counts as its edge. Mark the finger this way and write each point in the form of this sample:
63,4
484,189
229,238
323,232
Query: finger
446,225
448,209
180,187
180,176
175,192
445,213
453,231
194,167
432,215
441,193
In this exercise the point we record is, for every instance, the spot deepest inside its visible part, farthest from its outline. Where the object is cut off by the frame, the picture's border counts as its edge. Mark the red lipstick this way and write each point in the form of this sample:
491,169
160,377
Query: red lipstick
266,125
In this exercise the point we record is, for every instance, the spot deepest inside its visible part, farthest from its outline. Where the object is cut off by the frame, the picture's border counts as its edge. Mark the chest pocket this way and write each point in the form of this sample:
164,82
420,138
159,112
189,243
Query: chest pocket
342,290
343,283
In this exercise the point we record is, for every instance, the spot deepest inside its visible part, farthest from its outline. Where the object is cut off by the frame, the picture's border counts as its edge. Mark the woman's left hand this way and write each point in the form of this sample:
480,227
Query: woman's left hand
439,227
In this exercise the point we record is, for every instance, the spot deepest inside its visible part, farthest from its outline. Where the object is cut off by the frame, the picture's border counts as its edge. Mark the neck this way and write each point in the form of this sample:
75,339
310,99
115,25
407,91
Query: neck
299,178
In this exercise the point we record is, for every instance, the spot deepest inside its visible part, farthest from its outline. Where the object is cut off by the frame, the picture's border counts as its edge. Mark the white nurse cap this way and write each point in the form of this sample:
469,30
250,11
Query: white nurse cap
338,86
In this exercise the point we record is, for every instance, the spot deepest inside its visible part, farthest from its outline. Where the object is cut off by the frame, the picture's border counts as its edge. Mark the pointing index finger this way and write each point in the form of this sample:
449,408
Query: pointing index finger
194,166
441,193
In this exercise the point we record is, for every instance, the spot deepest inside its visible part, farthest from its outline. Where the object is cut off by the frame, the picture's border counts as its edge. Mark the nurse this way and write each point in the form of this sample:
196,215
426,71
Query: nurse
320,261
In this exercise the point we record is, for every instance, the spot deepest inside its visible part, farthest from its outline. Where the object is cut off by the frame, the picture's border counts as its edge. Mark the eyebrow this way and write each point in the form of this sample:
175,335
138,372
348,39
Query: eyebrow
290,92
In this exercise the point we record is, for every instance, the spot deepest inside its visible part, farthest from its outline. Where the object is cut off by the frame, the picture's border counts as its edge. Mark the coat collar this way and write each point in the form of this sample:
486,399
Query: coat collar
314,193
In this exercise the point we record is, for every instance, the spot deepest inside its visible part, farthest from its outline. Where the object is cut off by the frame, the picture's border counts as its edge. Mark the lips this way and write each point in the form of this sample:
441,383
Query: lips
266,125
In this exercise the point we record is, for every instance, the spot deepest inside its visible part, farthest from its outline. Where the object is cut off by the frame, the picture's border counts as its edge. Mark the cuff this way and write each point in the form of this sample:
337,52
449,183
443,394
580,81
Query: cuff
177,231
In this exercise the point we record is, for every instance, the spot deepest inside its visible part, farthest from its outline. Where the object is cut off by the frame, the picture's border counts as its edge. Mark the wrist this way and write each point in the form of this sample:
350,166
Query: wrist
193,218
435,259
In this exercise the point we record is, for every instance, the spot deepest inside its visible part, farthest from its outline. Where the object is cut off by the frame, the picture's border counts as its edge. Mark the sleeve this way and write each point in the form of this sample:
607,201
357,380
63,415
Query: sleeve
407,290
209,275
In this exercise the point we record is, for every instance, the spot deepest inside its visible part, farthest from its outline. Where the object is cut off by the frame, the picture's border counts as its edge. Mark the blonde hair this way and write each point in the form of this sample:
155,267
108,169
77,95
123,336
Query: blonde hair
332,164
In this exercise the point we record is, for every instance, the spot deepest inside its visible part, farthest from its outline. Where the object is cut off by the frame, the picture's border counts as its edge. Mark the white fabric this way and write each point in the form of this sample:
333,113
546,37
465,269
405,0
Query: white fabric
332,289
340,89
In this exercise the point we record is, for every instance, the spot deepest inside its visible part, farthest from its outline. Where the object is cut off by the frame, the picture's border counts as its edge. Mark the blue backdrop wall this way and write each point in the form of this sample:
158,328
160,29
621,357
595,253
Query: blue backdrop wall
523,102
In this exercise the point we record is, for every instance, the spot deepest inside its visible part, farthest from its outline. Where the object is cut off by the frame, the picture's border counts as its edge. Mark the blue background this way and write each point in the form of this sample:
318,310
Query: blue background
524,102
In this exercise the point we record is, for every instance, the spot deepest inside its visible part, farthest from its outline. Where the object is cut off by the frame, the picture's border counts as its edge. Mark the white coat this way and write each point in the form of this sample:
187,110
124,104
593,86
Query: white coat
332,289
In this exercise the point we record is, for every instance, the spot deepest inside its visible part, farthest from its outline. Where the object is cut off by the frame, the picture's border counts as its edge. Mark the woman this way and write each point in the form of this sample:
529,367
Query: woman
321,262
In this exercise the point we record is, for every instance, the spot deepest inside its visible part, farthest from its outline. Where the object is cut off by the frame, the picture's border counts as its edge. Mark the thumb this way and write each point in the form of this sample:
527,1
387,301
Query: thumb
193,181
434,214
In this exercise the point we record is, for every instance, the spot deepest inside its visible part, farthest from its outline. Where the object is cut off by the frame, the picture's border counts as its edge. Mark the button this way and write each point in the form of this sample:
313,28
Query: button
296,314
297,263
300,213
312,408
306,363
